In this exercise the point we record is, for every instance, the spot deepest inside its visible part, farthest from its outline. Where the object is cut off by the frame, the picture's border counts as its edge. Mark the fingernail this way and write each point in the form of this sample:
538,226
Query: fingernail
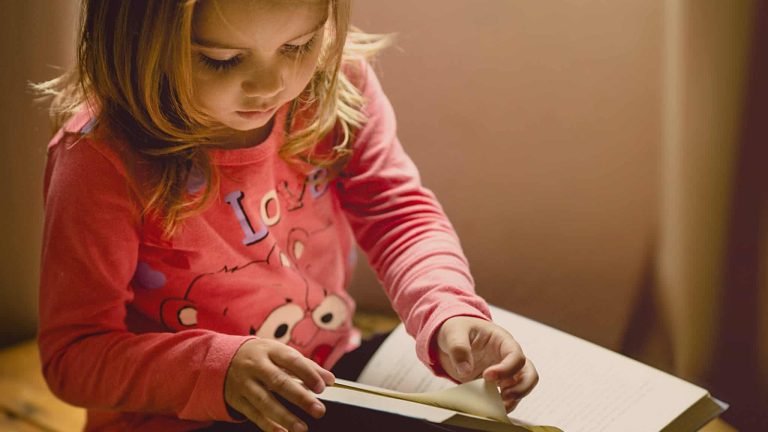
320,387
318,409
464,368
298,427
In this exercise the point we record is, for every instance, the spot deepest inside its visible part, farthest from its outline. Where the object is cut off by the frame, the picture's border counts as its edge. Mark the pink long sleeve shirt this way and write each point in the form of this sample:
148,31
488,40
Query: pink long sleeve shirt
140,330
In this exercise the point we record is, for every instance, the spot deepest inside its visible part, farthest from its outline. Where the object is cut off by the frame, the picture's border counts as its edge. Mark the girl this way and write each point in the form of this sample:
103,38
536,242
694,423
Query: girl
216,162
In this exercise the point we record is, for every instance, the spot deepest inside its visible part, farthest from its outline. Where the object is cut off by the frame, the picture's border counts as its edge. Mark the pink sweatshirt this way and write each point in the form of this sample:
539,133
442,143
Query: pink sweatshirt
141,330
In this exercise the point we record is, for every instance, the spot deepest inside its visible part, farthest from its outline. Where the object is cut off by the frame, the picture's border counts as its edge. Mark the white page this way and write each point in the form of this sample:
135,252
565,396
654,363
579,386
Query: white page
582,387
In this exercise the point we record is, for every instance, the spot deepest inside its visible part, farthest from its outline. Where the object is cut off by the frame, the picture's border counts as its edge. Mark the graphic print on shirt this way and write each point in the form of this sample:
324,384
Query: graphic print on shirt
269,208
274,298
149,278
316,182
266,218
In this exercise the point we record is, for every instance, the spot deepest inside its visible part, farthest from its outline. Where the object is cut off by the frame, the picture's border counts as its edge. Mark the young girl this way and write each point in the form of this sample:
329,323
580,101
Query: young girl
216,162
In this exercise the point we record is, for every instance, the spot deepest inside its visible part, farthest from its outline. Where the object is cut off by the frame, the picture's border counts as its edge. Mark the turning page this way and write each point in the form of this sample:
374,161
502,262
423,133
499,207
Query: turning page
474,405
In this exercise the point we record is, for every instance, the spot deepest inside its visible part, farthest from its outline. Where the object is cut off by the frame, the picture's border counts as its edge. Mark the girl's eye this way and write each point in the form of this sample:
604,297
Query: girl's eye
220,65
299,50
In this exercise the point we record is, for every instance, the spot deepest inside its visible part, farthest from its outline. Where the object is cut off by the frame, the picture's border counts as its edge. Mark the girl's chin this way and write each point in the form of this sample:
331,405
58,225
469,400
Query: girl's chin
248,126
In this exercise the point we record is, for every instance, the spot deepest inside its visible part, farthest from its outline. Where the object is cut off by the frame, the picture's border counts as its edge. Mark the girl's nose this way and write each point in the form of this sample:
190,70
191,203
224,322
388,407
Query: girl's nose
304,331
264,84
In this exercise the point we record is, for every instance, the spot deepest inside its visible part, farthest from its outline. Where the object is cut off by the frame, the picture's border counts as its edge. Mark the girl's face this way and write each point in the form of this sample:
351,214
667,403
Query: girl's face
252,56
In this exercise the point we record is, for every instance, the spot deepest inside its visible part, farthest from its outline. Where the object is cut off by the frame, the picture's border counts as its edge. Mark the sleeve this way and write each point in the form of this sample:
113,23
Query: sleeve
402,228
89,255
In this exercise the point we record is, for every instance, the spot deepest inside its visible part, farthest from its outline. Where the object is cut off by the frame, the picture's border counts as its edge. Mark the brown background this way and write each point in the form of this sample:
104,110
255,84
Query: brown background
36,41
537,124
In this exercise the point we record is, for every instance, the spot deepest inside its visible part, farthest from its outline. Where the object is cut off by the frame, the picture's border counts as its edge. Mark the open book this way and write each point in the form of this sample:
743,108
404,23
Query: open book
582,387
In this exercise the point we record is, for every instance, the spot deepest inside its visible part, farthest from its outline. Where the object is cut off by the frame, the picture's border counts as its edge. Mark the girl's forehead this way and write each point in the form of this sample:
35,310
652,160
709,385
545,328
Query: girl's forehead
255,24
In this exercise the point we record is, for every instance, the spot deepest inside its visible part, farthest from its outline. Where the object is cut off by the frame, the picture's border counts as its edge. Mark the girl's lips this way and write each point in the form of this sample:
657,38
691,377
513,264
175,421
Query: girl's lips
253,115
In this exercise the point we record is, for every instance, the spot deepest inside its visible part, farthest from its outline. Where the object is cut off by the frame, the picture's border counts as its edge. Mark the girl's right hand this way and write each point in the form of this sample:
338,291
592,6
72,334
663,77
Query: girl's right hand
263,366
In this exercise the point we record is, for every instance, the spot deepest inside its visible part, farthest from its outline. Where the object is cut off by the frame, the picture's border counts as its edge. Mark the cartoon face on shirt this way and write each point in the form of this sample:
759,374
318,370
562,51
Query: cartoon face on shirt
270,298
314,331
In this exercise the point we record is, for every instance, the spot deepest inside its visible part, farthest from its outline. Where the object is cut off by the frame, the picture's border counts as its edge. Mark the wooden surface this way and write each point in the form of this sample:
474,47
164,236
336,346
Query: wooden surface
26,404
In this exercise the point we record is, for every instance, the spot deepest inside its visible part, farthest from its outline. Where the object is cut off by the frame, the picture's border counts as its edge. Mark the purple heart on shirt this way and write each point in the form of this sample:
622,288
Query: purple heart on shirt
148,277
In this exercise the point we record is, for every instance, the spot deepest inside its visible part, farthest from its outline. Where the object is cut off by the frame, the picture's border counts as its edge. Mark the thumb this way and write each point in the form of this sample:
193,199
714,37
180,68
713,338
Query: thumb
459,351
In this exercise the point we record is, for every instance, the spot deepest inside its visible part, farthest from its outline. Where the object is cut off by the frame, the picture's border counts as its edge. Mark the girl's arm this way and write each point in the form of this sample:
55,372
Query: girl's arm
90,249
398,222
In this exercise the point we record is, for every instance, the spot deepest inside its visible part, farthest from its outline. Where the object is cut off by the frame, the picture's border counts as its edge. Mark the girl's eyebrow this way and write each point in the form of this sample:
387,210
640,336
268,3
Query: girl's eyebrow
216,45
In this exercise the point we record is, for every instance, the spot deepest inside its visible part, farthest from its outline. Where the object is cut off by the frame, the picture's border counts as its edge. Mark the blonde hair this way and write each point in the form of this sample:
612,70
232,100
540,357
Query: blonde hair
134,67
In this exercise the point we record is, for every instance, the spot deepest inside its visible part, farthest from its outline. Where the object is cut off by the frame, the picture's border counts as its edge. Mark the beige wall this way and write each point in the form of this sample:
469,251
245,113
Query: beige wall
538,126
35,36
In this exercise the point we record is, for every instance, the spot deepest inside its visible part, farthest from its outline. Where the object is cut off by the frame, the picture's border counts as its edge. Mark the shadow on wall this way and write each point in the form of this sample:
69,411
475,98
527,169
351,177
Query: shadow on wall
37,43
742,344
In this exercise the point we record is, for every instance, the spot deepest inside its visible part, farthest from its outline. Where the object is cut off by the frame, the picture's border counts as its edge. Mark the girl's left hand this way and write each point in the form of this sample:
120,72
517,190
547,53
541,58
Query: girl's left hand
470,347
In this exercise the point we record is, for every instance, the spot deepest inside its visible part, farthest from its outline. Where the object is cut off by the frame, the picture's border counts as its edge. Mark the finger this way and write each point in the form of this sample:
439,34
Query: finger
457,346
510,405
512,362
509,382
510,399
268,407
244,407
276,380
328,377
303,368
528,380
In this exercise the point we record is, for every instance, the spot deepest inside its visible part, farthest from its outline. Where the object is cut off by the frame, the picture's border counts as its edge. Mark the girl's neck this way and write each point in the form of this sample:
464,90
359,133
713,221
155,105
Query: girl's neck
251,138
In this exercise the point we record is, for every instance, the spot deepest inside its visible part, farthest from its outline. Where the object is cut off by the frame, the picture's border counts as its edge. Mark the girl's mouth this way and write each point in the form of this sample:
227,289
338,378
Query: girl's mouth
255,115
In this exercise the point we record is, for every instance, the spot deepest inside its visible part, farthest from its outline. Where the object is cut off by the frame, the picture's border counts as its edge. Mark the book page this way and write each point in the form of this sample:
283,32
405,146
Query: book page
582,387
477,398
347,395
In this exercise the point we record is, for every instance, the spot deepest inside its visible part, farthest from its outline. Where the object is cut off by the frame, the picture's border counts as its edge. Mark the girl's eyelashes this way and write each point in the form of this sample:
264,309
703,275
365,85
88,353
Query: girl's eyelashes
219,65
299,50
287,50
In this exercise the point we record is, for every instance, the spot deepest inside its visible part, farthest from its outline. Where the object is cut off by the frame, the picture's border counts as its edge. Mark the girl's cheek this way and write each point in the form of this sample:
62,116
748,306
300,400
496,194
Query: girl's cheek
209,89
305,71
203,74
206,99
